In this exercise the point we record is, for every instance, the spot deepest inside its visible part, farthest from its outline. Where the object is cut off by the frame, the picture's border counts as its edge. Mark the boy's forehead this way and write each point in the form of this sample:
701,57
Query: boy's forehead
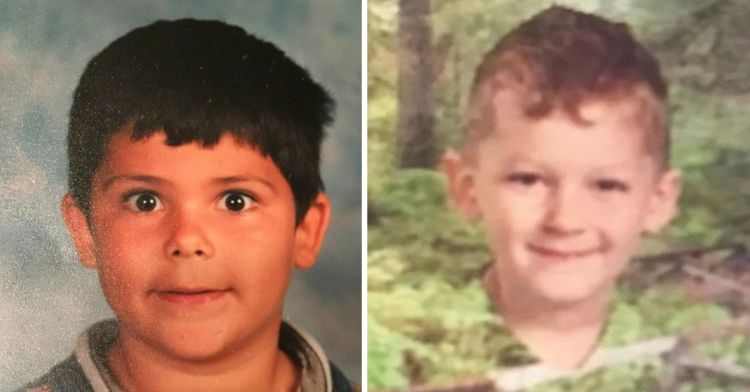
153,150
505,111
511,105
601,132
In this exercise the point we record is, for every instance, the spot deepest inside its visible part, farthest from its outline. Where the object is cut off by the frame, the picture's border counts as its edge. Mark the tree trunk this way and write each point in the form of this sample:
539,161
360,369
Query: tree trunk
709,51
415,133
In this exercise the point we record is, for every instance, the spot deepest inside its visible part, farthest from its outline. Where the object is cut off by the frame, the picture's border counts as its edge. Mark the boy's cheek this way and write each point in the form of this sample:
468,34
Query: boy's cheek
123,238
505,214
119,243
506,230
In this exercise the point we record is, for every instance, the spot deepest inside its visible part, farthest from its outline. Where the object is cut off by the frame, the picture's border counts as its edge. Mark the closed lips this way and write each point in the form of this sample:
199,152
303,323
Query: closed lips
194,296
190,291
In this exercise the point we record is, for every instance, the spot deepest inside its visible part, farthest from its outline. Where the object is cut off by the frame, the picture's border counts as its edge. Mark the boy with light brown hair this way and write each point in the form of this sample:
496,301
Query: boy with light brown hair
566,164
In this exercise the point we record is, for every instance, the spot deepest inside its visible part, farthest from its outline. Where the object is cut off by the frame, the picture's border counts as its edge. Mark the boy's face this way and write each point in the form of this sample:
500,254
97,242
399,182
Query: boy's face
194,246
564,204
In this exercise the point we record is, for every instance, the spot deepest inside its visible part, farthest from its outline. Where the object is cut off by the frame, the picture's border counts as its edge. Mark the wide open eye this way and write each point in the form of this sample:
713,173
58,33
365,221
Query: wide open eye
143,201
236,201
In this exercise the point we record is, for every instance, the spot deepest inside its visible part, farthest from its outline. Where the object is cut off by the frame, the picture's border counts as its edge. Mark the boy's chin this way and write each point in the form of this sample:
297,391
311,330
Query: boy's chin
197,347
571,290
198,342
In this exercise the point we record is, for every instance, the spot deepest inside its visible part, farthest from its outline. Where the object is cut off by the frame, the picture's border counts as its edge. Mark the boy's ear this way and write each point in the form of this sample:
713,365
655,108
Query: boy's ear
79,230
310,232
461,185
663,202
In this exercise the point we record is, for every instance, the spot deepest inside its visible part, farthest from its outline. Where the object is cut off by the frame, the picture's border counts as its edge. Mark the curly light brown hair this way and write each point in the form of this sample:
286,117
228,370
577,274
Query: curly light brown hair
561,58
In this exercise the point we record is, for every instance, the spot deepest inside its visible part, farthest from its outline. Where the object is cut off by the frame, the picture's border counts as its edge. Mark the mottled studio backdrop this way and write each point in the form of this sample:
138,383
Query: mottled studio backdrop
46,298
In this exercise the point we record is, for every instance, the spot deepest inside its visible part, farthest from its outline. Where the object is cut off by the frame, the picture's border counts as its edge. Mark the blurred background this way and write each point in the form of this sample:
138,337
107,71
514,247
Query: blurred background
428,319
46,298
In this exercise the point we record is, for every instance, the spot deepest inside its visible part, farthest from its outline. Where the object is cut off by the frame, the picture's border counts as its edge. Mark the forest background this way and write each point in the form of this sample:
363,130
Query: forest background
427,319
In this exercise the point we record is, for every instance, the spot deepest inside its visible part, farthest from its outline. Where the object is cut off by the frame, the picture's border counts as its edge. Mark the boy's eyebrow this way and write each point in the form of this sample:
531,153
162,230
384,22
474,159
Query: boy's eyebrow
519,159
157,180
522,160
135,177
619,166
242,178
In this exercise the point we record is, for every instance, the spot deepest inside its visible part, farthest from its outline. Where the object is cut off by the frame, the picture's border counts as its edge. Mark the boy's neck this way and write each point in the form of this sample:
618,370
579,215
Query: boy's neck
138,366
563,336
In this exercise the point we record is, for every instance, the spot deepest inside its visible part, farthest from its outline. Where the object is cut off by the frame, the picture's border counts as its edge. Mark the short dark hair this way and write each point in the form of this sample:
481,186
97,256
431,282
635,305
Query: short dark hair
561,57
196,80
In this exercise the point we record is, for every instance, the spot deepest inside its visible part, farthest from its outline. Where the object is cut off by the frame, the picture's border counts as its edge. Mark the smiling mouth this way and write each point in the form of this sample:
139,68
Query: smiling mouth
560,254
191,297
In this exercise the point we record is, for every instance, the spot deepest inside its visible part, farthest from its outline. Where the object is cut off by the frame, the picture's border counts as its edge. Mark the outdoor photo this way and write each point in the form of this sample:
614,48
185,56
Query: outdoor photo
558,196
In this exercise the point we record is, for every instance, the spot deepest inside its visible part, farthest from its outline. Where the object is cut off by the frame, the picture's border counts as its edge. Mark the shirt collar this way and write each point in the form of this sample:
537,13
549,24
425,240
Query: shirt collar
307,354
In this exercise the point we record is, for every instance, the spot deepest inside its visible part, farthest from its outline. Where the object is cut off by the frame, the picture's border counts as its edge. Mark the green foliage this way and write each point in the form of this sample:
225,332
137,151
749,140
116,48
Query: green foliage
641,376
384,350
708,133
417,220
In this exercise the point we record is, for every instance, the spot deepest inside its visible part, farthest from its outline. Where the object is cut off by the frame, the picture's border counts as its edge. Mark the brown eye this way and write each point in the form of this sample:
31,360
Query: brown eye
525,179
143,202
607,185
236,202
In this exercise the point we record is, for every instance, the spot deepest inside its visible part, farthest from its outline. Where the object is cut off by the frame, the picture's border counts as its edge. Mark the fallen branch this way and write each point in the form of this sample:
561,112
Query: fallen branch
515,379
673,373
519,378
469,385
694,253
716,280
707,333
645,271
682,358
717,368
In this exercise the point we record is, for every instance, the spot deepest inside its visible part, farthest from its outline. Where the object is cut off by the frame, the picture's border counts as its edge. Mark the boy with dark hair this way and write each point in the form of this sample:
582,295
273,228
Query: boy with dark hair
566,165
194,180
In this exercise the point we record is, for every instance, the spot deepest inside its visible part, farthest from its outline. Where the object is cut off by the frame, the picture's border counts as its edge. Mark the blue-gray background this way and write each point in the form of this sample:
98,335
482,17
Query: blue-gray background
46,298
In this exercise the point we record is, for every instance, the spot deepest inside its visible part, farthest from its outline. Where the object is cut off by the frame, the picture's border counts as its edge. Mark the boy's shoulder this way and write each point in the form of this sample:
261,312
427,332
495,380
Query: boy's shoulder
87,369
65,376
318,373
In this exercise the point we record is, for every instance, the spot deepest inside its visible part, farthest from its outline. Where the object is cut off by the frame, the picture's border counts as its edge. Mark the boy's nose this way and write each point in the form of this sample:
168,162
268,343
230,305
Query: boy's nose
188,240
565,213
